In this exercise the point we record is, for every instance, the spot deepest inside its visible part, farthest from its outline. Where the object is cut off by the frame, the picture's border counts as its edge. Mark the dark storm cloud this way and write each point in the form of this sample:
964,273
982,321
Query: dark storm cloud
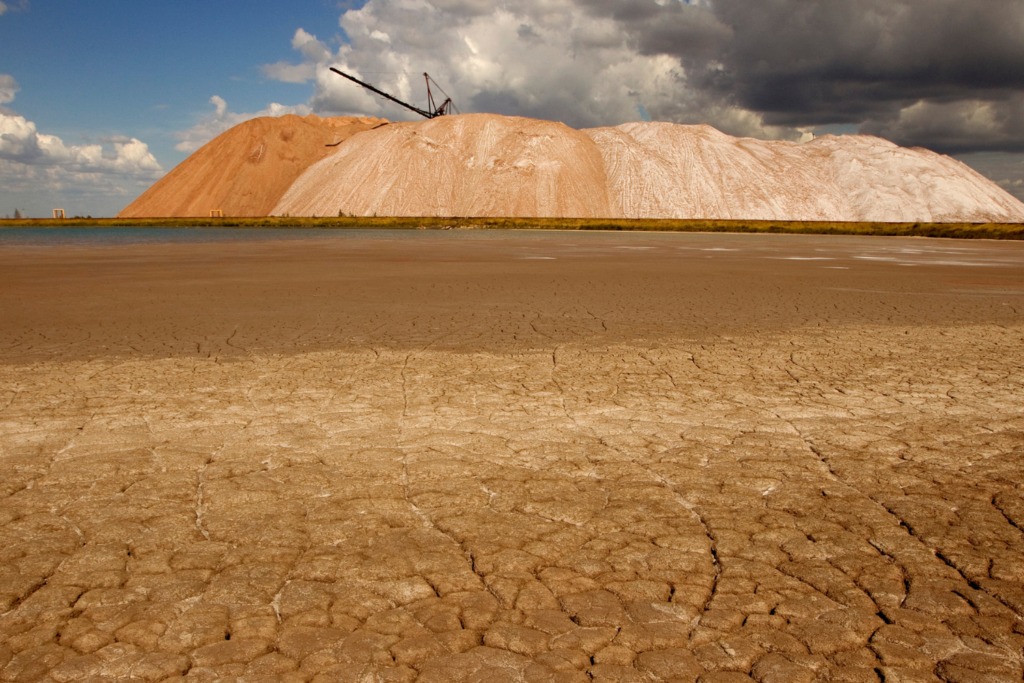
687,31
943,74
834,60
805,63
957,127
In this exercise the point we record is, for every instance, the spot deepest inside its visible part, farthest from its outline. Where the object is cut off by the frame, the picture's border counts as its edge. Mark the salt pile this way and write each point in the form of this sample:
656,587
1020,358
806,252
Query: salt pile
474,165
490,165
493,166
487,165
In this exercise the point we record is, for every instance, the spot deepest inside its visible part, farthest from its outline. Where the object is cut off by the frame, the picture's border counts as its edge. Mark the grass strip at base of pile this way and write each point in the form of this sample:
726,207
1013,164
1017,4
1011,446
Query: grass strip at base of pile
1014,231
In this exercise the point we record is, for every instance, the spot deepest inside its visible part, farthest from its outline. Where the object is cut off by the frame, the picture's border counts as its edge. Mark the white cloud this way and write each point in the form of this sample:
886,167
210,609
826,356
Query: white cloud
221,119
541,58
313,52
38,170
311,48
220,104
8,88
548,59
289,73
17,6
37,167
22,144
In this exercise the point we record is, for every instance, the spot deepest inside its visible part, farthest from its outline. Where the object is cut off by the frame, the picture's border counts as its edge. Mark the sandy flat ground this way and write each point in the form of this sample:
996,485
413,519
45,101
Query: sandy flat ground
522,457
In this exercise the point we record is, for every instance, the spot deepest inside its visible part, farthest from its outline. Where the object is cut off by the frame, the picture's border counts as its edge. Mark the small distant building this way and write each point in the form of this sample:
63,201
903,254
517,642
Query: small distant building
58,214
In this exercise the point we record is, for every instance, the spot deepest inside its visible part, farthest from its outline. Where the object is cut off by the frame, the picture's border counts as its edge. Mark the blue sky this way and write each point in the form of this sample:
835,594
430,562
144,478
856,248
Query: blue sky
147,67
98,99
90,71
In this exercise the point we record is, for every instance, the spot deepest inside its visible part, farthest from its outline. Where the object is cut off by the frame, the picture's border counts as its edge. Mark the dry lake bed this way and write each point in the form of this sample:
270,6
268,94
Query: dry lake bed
454,456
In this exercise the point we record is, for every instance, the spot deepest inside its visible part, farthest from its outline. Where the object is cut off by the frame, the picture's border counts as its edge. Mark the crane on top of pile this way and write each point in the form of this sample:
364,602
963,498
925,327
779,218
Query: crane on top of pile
433,110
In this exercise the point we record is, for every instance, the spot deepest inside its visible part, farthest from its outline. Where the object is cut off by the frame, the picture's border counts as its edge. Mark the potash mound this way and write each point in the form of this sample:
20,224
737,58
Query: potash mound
244,171
470,165
488,165
668,170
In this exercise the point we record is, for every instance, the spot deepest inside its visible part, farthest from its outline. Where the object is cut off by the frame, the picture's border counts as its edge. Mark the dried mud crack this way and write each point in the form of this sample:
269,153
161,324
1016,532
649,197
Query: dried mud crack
813,502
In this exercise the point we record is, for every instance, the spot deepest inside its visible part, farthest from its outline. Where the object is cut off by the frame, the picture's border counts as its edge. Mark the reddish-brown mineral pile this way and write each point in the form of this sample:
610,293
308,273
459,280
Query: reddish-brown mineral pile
244,171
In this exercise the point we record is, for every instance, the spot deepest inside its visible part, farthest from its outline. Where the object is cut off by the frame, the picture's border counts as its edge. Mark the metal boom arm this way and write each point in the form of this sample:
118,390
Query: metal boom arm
421,112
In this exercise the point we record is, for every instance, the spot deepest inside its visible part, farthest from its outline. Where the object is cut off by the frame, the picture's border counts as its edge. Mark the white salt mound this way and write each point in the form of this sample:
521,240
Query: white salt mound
490,165
473,165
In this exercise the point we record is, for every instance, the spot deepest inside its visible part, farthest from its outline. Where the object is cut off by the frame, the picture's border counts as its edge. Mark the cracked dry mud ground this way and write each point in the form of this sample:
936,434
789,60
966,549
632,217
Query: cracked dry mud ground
614,458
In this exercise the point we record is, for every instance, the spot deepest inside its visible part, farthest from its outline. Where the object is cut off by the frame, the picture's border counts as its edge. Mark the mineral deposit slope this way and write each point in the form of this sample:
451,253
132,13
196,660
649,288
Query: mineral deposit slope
244,171
880,181
657,170
472,165
489,165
